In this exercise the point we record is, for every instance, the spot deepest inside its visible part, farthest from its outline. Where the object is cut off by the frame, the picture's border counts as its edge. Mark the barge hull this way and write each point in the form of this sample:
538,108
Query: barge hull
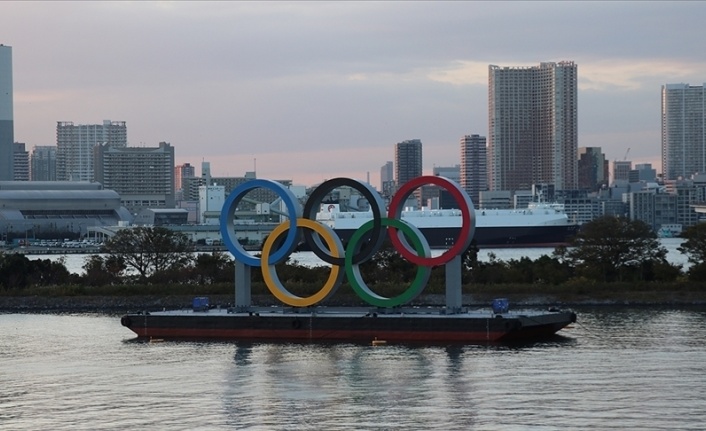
347,327
487,237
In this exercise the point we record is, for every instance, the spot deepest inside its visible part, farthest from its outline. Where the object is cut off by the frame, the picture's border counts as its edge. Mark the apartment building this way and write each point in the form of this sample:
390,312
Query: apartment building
532,126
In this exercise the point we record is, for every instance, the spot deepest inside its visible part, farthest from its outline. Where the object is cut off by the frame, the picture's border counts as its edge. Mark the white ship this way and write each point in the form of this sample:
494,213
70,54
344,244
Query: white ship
541,224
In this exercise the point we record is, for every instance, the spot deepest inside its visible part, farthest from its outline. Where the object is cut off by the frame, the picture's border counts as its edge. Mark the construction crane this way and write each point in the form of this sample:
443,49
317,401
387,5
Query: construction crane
626,154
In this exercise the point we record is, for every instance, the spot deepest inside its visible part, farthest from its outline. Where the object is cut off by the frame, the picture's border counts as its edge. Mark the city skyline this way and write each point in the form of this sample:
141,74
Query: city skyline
310,91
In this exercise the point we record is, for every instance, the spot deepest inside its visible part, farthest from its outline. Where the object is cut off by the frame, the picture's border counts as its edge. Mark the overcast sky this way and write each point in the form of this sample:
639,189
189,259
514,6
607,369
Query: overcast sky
311,90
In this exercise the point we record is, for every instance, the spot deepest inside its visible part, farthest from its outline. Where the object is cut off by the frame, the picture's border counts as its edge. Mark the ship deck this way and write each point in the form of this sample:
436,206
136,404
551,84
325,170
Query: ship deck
349,324
345,312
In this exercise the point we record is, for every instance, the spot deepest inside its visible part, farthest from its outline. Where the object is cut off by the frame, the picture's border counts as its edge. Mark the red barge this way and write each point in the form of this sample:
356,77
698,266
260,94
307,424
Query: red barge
324,324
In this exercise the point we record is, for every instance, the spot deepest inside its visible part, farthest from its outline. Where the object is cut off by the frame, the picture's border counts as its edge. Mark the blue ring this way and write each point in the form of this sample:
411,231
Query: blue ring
228,217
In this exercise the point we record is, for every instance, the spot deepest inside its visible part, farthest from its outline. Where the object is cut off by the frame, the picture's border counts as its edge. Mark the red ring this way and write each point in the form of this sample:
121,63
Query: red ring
467,219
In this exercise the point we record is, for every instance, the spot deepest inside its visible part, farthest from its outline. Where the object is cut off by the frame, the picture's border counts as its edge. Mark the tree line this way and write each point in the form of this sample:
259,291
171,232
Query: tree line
606,250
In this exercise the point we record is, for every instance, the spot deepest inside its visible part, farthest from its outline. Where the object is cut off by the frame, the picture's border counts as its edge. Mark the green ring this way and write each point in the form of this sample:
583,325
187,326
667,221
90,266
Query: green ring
420,244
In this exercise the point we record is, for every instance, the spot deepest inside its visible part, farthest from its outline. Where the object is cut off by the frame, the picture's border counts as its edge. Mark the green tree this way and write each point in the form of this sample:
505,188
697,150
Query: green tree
213,267
48,273
613,248
150,250
388,266
15,270
551,270
102,271
695,245
695,249
18,272
520,271
492,272
469,263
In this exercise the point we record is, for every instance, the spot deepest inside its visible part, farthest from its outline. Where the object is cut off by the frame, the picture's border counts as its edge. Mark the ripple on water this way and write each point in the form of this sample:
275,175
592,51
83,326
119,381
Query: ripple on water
616,369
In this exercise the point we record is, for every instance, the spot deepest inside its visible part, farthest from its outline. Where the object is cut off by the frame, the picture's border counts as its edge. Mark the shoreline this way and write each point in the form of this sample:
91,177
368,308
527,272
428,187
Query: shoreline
124,304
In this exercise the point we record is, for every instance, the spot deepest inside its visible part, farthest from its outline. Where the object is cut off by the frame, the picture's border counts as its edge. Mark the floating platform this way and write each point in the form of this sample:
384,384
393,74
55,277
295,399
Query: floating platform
427,325
392,320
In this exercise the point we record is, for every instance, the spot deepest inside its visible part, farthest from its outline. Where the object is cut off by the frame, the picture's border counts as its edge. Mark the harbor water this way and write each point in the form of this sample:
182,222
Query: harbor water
617,368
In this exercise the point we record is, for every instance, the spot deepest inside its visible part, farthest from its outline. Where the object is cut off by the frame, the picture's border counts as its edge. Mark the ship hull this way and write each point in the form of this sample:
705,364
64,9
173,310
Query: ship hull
486,237
352,326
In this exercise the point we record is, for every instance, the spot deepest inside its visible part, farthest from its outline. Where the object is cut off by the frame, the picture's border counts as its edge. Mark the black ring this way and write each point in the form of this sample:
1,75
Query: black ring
372,242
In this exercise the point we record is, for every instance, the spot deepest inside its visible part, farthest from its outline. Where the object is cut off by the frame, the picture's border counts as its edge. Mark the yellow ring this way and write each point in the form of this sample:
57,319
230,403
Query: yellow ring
269,272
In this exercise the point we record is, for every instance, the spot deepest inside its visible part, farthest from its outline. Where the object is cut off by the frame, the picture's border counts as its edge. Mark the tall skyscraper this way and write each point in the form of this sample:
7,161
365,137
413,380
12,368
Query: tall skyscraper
206,173
683,130
408,161
74,146
7,134
20,162
180,173
593,168
387,179
474,163
42,163
183,171
533,126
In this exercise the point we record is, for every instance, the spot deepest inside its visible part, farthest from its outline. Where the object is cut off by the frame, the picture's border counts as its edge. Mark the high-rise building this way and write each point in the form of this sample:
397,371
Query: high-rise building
683,130
451,172
643,172
408,161
206,173
42,163
474,162
182,171
387,179
74,147
190,188
436,197
621,170
7,134
142,176
532,125
20,162
592,168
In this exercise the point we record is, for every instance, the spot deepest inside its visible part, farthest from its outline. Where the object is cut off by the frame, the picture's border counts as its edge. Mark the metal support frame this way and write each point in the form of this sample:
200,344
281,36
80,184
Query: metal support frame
454,297
243,287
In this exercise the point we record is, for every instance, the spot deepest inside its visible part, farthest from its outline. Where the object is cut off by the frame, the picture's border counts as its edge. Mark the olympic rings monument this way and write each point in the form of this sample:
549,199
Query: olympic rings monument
391,319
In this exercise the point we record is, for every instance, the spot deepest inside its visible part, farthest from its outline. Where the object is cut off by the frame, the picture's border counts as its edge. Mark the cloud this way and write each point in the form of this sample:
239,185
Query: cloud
601,75
461,72
631,75
43,96
313,87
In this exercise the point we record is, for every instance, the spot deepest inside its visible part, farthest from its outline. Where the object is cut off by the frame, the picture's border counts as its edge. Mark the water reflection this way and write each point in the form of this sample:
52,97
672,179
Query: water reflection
363,386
